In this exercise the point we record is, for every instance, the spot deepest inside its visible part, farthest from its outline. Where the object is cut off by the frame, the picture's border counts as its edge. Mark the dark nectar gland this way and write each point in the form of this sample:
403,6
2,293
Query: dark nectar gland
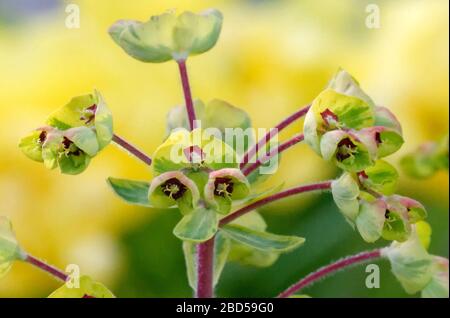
173,188
223,187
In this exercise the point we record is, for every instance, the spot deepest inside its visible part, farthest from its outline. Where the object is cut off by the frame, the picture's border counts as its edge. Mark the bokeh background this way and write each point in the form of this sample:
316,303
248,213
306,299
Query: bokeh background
272,57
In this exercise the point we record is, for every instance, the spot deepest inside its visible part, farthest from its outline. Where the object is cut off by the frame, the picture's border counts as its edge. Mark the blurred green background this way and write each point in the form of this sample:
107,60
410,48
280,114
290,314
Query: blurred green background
272,57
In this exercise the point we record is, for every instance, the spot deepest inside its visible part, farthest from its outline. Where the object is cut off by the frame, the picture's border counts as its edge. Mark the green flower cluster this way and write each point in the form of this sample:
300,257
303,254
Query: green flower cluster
73,135
345,126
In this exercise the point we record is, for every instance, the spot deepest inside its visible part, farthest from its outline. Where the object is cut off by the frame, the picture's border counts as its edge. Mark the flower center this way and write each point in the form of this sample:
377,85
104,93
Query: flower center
89,114
330,118
42,136
173,188
70,148
346,149
378,138
223,187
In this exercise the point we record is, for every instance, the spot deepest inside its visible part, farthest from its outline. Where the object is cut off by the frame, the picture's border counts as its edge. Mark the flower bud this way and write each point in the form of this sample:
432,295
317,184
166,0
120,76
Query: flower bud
370,220
345,191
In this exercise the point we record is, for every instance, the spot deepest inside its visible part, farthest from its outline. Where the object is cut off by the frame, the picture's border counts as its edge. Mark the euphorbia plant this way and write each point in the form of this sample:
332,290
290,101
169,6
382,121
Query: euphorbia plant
212,179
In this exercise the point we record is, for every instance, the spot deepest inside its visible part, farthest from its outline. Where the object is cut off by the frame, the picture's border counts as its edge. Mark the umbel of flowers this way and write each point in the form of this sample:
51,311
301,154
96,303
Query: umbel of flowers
211,182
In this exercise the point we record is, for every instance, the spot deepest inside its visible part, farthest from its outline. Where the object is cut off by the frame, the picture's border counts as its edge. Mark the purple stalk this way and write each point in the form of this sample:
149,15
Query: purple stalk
272,133
277,196
132,149
330,269
291,142
205,261
55,272
187,93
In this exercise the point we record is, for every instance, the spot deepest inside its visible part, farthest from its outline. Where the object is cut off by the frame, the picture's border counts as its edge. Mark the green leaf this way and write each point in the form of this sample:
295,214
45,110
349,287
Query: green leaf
131,191
381,177
9,247
198,226
345,191
168,36
410,263
87,289
262,240
177,116
245,254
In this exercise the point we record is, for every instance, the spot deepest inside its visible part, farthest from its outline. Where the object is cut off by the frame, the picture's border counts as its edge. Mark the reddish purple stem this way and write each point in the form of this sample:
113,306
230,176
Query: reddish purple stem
273,132
330,269
187,93
277,196
47,268
132,149
205,260
291,142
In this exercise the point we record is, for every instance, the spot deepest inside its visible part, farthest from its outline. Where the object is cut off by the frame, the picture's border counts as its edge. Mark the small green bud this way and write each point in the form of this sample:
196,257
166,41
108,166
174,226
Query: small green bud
225,186
345,191
168,36
416,211
87,289
174,188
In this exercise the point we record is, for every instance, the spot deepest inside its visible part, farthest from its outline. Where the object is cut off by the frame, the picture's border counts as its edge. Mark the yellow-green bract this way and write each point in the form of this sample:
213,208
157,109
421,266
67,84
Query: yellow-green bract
168,36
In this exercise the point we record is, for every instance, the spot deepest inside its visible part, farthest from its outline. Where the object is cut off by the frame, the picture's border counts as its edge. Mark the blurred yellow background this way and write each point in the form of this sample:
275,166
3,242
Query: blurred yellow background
272,57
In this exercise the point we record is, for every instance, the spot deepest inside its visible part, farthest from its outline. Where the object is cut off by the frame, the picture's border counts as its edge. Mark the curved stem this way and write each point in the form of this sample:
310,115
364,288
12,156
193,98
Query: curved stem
205,261
273,132
55,272
132,149
289,143
187,93
277,196
330,269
